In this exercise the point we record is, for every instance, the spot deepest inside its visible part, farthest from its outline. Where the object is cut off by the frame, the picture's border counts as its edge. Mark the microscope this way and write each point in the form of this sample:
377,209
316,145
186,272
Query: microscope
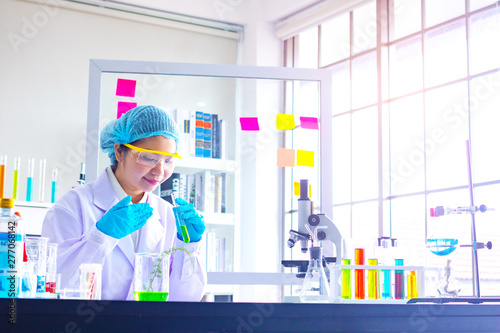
313,227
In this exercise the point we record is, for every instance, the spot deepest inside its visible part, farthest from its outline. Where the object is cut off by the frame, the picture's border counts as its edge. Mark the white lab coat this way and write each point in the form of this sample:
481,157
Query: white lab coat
71,223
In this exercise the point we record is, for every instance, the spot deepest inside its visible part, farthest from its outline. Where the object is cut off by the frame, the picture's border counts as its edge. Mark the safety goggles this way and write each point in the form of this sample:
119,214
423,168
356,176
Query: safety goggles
151,158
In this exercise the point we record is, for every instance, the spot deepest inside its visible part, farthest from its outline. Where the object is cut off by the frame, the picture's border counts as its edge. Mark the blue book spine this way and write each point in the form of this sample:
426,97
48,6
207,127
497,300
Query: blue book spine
207,148
215,132
199,135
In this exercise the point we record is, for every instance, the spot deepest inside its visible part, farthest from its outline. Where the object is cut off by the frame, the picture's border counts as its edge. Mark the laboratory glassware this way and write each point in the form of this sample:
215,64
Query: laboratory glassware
373,281
151,276
359,274
36,248
412,285
3,165
53,195
91,281
12,239
399,284
50,284
29,180
180,221
315,288
448,286
346,275
17,165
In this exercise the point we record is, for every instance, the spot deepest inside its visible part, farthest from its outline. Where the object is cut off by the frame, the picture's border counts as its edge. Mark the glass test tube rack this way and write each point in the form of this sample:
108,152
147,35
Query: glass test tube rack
335,282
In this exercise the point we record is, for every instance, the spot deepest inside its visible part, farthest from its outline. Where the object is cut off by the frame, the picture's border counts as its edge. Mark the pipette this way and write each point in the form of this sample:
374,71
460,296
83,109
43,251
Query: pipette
179,221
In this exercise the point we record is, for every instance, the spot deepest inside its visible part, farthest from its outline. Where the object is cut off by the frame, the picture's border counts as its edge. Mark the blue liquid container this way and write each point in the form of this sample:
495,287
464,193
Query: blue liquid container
11,250
442,246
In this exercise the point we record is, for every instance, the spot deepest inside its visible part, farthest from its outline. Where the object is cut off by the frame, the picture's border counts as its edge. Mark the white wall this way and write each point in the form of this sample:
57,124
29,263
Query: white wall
44,64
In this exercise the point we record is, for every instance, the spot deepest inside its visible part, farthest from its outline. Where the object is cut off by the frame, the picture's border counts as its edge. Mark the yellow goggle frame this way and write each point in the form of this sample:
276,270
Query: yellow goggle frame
151,151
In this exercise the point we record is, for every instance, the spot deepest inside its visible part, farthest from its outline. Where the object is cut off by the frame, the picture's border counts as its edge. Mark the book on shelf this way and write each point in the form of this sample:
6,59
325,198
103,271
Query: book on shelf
215,252
190,189
215,139
171,185
207,135
218,194
192,133
222,139
204,191
200,135
182,119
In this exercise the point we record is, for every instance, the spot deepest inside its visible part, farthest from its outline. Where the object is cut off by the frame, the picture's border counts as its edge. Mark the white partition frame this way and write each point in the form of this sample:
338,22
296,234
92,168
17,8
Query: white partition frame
322,76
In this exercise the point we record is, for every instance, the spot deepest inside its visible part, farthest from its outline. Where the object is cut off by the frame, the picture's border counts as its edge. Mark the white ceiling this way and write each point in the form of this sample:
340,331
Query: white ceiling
234,11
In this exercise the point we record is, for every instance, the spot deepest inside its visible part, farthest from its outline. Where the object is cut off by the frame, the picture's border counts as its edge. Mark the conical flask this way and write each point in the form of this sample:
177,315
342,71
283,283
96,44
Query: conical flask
315,288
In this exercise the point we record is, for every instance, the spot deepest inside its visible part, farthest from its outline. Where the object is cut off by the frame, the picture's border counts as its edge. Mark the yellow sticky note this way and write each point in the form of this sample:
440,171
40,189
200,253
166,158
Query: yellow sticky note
286,157
285,121
305,158
296,189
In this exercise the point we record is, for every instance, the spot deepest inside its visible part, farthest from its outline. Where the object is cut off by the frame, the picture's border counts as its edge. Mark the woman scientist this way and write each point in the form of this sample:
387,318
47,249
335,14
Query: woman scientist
110,219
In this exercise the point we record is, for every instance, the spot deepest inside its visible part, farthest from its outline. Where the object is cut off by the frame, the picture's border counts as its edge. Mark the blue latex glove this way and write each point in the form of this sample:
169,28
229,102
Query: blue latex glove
191,218
123,219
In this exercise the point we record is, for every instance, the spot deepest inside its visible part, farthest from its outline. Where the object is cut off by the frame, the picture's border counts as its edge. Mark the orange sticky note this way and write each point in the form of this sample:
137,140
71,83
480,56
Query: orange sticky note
296,189
286,157
305,158
285,121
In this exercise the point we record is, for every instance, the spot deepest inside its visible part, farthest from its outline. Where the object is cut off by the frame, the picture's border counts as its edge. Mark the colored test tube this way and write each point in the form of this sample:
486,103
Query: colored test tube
3,165
345,275
385,284
399,280
29,182
412,285
373,286
180,221
41,184
53,195
359,274
17,165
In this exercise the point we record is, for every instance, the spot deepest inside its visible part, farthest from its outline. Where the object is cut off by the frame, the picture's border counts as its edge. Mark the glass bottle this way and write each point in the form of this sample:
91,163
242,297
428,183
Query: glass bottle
11,249
315,288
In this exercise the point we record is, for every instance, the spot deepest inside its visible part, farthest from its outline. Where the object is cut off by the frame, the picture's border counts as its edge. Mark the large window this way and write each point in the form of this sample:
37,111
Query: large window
414,80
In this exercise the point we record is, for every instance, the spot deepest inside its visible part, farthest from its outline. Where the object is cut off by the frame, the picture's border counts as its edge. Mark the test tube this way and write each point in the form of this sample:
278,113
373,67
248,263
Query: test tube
41,184
179,221
399,281
412,285
359,274
50,276
29,182
17,164
345,276
54,186
385,284
373,285
3,165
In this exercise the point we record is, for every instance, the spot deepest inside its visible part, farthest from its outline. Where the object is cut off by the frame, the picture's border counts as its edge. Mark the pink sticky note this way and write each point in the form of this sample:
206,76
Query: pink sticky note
125,87
249,123
286,157
124,107
309,122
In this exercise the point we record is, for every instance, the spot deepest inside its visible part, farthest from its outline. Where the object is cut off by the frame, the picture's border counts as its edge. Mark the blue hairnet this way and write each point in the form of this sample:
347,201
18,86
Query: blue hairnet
138,123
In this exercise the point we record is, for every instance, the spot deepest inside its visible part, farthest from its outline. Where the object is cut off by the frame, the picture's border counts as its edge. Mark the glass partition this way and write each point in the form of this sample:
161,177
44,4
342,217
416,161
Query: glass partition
248,234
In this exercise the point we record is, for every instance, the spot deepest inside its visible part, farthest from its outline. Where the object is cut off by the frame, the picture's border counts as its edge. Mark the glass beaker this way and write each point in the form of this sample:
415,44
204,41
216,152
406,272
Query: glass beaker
91,281
36,249
315,288
151,276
